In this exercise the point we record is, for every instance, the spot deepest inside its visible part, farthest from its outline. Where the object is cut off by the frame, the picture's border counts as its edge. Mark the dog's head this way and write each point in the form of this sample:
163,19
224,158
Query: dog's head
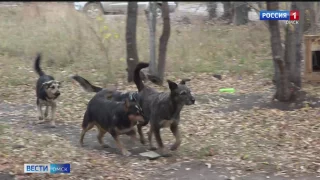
52,88
181,93
134,111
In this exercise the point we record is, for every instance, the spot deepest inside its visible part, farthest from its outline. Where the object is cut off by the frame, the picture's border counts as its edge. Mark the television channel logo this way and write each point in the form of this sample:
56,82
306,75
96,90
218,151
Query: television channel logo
47,168
291,17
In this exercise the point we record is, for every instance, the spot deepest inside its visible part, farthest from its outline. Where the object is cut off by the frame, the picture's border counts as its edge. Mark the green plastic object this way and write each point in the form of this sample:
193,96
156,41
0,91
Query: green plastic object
229,90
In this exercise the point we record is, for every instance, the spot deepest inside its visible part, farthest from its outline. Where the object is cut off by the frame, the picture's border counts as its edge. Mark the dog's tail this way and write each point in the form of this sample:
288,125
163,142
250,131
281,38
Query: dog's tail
37,65
136,76
85,84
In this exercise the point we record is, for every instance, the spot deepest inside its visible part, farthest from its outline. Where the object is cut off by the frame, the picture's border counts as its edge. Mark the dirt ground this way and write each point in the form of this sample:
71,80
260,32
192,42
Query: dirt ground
174,168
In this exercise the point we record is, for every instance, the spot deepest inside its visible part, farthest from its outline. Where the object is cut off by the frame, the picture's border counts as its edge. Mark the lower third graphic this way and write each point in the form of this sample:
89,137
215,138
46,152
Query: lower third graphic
47,168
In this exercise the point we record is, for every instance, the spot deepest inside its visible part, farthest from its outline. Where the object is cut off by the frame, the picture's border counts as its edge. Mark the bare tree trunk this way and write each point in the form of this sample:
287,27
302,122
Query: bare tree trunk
241,16
288,4
152,22
260,5
131,28
211,7
282,87
164,40
318,12
289,63
298,33
310,23
227,11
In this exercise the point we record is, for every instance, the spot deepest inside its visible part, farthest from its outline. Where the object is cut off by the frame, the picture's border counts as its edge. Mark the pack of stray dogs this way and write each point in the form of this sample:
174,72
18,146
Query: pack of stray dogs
119,113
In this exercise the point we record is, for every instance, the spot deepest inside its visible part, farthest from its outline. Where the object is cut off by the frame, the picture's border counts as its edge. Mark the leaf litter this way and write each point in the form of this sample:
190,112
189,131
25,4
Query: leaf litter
253,139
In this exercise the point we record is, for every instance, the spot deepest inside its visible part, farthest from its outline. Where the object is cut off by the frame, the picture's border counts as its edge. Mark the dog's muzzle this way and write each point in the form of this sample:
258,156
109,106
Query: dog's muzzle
57,94
191,101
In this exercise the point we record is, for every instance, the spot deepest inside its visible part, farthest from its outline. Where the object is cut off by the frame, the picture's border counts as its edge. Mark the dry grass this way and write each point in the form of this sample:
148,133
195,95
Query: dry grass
66,39
198,50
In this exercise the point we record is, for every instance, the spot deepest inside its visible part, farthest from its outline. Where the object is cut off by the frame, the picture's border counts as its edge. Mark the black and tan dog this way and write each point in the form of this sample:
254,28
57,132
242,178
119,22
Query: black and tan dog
47,91
110,116
162,109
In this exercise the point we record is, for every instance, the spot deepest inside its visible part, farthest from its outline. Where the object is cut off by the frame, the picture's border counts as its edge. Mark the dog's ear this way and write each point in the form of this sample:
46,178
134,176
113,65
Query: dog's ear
126,105
45,85
183,81
60,83
172,85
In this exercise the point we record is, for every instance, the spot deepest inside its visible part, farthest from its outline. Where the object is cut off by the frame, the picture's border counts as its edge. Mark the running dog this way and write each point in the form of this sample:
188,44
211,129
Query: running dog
110,116
110,95
162,109
47,91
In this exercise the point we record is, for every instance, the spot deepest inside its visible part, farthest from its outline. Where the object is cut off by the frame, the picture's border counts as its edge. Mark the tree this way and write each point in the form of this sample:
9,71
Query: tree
288,62
241,10
152,22
227,11
310,23
164,40
211,7
259,3
156,73
131,40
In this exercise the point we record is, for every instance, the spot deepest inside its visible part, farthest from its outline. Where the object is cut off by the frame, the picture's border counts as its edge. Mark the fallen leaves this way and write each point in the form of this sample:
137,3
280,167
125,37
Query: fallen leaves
84,163
212,129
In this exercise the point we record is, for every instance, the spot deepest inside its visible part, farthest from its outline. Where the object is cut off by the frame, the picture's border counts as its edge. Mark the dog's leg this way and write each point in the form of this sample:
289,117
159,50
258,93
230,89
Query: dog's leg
175,131
142,139
124,151
40,115
133,136
46,112
163,150
150,134
83,132
101,133
53,112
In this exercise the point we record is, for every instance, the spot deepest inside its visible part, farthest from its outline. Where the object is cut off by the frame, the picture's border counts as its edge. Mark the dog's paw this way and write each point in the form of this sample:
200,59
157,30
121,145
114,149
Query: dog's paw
105,146
40,122
143,142
52,126
174,147
166,155
126,153
164,152
152,148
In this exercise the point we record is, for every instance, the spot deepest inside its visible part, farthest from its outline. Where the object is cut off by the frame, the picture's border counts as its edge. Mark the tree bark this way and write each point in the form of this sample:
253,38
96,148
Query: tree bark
310,23
288,80
296,67
282,87
164,40
240,16
318,13
152,22
260,5
131,28
227,11
211,7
